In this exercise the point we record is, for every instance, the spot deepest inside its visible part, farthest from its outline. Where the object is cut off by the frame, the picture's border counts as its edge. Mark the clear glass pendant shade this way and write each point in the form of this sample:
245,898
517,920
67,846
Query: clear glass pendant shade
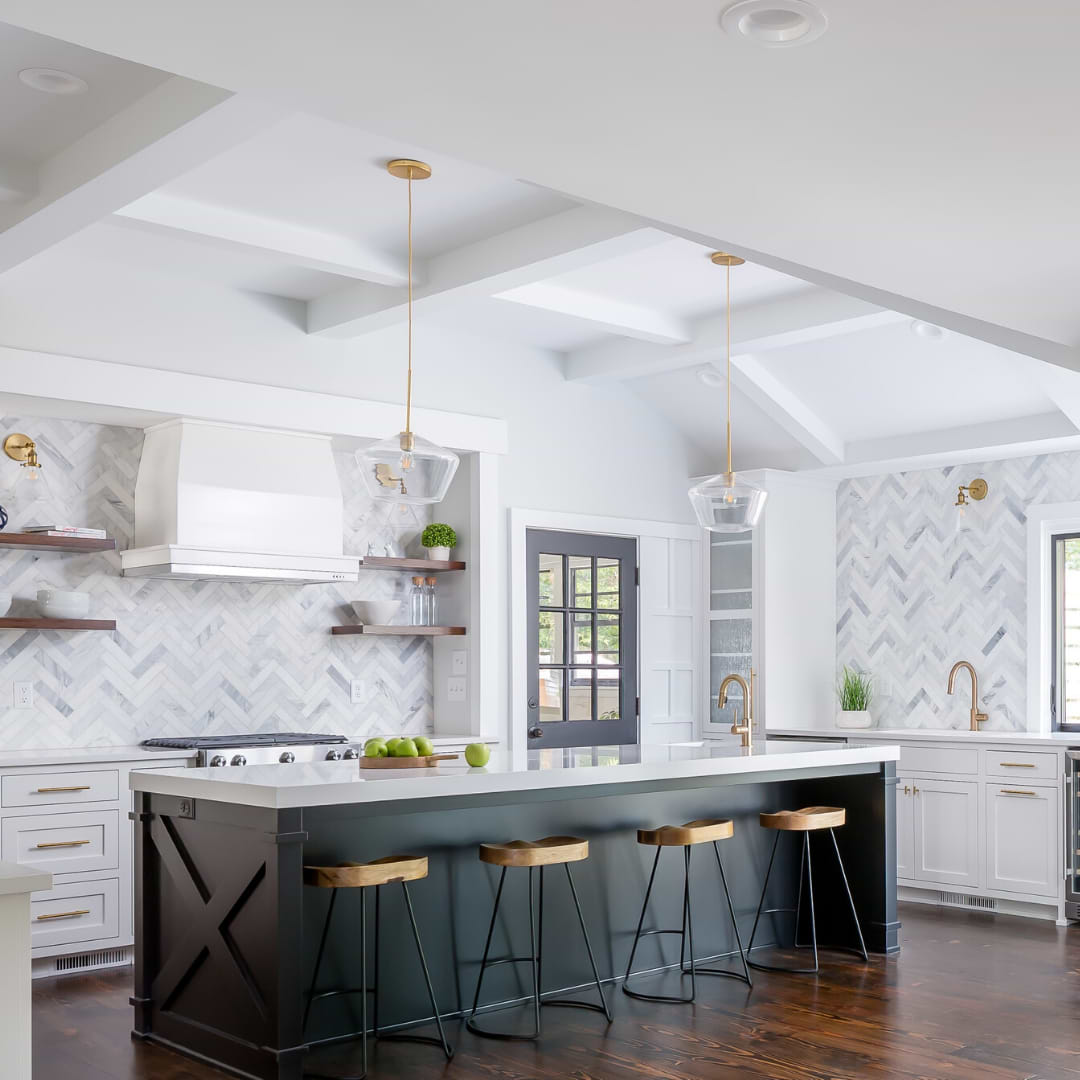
724,504
407,469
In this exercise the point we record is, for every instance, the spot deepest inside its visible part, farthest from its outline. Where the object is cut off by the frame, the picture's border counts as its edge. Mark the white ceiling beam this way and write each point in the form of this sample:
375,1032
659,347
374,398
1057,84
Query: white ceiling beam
603,313
18,181
530,253
178,125
807,315
237,230
751,378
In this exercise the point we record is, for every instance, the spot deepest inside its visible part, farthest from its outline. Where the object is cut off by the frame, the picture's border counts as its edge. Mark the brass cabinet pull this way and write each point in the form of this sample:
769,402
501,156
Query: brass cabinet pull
63,843
907,789
1016,791
52,790
914,790
1017,764
64,915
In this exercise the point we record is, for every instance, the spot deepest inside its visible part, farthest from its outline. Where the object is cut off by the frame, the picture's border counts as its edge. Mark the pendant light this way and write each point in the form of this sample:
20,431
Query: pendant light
722,503
405,468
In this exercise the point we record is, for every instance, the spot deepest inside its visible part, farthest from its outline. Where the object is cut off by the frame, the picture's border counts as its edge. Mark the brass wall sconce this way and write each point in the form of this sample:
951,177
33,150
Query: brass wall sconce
23,449
976,490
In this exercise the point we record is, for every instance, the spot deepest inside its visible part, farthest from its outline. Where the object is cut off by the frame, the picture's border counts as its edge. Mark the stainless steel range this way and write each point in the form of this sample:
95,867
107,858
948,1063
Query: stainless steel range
219,751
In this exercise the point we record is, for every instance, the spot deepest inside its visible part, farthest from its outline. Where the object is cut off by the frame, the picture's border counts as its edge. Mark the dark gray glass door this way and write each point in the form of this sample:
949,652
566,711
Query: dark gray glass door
583,639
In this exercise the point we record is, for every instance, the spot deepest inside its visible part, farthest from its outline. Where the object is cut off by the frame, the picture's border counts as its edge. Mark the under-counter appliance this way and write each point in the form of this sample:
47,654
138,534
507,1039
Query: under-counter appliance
1072,834
274,748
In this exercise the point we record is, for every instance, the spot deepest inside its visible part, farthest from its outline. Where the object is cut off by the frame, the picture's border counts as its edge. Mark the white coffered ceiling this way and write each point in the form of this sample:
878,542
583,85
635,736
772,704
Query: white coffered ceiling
280,190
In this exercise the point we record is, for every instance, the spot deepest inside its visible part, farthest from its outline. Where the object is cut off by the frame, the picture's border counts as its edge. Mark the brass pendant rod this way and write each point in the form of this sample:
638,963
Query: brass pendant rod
408,386
727,275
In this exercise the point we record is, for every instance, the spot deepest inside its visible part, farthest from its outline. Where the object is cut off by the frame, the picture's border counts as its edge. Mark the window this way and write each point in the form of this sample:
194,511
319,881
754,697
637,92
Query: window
1065,661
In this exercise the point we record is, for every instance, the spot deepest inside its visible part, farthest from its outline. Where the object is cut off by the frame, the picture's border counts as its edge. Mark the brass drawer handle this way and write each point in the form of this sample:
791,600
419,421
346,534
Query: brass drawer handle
1017,764
64,915
1016,791
63,843
53,790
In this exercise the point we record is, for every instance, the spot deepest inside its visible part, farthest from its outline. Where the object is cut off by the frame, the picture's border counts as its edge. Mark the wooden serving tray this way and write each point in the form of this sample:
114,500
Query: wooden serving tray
425,762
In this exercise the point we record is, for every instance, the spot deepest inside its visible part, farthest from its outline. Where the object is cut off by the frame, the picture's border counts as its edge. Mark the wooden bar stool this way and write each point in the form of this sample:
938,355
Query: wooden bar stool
363,876
551,851
808,820
705,831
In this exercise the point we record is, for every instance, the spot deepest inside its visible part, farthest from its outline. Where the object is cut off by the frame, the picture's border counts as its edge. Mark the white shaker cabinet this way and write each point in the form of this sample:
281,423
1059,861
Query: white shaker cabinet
1022,853
946,823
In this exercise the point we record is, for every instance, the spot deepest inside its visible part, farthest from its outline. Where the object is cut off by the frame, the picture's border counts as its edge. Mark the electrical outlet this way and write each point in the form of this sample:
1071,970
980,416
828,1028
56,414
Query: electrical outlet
358,692
24,695
459,662
455,689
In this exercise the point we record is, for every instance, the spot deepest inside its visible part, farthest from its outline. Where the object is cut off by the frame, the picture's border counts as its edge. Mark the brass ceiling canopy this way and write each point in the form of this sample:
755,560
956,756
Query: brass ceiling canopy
722,258
408,169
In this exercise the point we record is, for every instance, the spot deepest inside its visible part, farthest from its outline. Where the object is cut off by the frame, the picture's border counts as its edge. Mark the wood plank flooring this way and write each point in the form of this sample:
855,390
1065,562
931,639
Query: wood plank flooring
970,996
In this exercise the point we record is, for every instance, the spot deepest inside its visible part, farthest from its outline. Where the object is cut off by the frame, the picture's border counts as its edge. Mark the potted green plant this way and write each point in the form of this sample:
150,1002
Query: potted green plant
438,539
855,691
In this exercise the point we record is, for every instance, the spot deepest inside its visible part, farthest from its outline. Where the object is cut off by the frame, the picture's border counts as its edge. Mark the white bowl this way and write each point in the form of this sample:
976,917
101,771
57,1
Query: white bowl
376,612
58,604
5,603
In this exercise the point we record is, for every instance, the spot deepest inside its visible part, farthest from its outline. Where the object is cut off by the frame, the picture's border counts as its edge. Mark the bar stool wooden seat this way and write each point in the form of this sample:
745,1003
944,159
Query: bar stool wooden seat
535,855
702,831
807,820
391,870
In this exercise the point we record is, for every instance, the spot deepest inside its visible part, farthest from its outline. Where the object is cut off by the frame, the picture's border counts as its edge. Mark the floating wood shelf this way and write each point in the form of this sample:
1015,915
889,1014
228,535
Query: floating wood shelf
399,631
57,624
432,566
63,544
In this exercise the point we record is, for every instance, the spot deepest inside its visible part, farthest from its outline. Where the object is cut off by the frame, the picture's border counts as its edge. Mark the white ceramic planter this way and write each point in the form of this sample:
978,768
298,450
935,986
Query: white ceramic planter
440,554
853,719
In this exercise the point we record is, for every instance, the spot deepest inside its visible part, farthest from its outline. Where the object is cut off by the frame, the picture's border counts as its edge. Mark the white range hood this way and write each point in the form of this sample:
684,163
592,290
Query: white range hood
237,504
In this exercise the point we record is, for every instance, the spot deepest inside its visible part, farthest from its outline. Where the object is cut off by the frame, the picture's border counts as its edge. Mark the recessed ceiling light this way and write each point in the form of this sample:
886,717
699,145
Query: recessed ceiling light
775,24
926,330
710,377
53,81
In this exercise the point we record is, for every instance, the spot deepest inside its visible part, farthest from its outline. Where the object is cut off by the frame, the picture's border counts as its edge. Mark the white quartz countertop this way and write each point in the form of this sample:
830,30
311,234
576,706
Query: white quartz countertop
22,879
343,782
1051,738
89,755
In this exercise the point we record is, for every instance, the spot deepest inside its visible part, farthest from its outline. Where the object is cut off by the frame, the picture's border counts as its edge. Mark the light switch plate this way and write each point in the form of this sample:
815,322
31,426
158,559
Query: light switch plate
24,695
459,662
455,689
357,692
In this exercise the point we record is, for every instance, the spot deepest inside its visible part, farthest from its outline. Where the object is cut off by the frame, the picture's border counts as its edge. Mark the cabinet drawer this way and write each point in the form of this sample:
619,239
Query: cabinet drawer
1020,765
79,911
63,843
59,788
921,760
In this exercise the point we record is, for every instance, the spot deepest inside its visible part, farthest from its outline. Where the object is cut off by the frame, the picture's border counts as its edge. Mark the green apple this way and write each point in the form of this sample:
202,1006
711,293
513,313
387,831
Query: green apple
424,746
375,748
391,745
477,754
404,748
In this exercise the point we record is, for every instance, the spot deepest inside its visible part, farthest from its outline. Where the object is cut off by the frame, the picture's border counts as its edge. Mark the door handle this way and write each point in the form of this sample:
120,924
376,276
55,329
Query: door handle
535,732
51,790
532,703
1015,791
63,843
64,915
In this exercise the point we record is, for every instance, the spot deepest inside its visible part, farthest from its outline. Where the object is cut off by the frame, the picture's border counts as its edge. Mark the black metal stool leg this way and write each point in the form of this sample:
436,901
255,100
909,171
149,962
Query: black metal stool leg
798,901
744,976
764,891
851,900
762,910
641,922
810,896
319,959
689,932
487,950
535,958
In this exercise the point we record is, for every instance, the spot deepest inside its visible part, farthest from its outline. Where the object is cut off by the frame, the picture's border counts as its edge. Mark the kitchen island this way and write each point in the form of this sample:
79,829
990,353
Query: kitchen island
226,933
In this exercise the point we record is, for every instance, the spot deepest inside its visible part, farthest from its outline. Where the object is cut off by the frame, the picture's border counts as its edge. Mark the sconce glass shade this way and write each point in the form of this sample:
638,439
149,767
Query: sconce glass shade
31,494
723,503
407,469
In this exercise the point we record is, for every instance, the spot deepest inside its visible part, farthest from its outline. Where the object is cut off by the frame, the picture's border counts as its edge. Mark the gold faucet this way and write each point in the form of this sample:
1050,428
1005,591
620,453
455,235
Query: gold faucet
976,717
746,728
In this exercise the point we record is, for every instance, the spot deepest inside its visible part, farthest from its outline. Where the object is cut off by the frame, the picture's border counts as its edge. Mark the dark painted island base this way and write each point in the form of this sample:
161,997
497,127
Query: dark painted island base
227,934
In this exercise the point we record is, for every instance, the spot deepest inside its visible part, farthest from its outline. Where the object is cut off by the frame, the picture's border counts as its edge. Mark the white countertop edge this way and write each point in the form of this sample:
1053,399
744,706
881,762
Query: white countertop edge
15,878
254,788
1051,739
89,755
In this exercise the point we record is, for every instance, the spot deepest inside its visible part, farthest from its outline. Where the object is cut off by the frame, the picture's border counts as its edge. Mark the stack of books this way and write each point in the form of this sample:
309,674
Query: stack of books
68,530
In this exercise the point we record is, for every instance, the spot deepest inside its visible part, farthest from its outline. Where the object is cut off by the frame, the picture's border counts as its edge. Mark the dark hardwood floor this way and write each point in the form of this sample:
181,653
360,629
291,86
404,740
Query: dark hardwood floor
970,996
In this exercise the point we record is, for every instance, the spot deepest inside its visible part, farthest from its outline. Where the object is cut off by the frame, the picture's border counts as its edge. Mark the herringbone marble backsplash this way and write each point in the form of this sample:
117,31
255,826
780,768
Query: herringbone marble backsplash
914,595
192,657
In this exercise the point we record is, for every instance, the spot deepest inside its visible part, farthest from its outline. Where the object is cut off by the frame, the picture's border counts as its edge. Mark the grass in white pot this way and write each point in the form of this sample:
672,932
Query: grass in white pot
855,691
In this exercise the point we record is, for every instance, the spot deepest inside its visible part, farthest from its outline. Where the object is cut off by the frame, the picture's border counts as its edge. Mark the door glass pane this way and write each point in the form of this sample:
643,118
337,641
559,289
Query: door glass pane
730,636
731,566
1069,629
551,696
580,570
551,580
607,583
580,697
551,638
608,693
731,600
607,639
583,639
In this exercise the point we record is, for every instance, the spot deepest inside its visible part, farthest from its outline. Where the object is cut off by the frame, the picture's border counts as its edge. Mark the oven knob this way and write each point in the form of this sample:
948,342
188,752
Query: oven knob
239,760
352,754
217,761
333,755
287,758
